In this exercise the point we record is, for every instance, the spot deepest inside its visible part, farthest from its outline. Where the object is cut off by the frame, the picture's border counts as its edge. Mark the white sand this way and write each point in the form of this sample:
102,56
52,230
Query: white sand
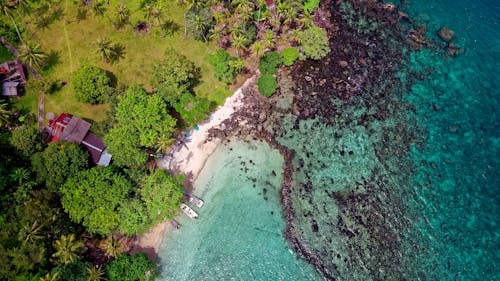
189,160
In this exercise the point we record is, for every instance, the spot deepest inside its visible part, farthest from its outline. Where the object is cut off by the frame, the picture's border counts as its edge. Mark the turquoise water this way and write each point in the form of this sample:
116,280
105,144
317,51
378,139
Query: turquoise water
239,235
401,183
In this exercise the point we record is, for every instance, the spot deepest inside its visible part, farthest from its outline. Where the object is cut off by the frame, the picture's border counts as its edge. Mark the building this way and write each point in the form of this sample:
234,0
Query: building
67,127
12,78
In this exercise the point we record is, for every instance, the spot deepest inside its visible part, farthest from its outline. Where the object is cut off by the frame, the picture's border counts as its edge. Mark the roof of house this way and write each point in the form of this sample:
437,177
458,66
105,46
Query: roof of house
94,146
9,89
69,128
13,71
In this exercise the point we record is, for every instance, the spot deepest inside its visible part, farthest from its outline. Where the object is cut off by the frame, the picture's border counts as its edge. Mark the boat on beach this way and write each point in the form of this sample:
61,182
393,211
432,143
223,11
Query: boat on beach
175,224
194,200
188,211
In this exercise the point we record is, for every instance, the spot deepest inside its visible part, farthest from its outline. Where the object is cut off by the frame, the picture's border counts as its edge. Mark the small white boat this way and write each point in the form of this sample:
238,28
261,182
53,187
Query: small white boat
196,201
188,211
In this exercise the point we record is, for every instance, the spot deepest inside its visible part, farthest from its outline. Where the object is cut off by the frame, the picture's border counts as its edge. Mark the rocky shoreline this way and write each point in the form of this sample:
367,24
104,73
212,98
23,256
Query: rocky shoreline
359,72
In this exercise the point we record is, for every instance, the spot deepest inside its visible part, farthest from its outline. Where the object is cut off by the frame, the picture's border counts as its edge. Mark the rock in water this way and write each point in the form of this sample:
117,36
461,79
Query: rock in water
446,34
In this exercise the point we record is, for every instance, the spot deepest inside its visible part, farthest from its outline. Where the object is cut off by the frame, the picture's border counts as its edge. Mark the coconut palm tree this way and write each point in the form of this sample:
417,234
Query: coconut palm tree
237,64
154,14
30,233
112,247
67,249
106,49
190,5
5,114
164,143
122,15
258,48
95,273
238,41
20,175
269,40
32,54
99,7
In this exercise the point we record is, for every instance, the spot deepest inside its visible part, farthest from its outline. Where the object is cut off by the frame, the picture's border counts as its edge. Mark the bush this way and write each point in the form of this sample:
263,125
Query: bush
91,84
267,85
269,63
220,61
310,5
131,268
289,56
314,42
192,108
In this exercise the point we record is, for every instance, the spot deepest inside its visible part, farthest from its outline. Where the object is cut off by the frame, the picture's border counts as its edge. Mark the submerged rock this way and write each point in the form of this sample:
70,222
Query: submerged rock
446,34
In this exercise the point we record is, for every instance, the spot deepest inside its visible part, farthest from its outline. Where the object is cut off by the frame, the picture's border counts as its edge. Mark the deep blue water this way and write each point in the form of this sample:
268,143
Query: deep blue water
457,176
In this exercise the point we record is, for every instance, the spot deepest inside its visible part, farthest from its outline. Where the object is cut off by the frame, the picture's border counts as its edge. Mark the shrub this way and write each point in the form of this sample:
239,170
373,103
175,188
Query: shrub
289,56
27,140
220,61
267,85
91,84
310,5
269,63
131,268
314,42
192,108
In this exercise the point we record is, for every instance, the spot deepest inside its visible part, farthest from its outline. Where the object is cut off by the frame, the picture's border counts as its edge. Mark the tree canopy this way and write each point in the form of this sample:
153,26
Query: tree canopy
59,161
27,140
132,268
161,194
91,84
93,198
174,75
141,119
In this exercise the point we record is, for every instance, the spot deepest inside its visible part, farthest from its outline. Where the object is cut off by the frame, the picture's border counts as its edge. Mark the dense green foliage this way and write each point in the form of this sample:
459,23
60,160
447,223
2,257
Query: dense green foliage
27,140
193,109
220,60
91,84
289,56
269,63
59,161
132,268
267,84
310,5
161,193
92,197
141,120
173,76
314,42
75,271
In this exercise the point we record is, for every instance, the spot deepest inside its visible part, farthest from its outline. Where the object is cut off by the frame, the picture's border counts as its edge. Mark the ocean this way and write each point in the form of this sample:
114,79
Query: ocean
396,167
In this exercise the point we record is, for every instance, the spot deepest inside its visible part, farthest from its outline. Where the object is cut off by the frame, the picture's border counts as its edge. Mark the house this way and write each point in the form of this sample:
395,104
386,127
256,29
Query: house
67,127
12,77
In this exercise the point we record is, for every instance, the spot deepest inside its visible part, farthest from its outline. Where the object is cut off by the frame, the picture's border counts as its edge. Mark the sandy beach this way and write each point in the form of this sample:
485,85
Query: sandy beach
189,158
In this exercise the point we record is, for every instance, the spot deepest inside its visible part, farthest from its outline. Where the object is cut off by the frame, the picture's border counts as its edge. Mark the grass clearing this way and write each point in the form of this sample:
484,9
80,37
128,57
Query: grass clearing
69,42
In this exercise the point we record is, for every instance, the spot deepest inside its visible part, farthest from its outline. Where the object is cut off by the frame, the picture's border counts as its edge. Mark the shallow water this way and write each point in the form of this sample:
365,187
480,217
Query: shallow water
239,234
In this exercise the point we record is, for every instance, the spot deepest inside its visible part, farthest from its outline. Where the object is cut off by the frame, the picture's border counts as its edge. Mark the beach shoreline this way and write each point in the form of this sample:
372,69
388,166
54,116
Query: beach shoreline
188,157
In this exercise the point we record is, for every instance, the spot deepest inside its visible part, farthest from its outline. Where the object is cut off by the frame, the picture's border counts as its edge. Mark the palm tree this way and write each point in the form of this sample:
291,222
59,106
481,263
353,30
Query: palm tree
50,277
199,23
258,48
99,7
239,42
105,49
190,5
20,175
122,15
164,143
32,54
237,64
30,233
67,249
269,40
95,273
5,113
112,247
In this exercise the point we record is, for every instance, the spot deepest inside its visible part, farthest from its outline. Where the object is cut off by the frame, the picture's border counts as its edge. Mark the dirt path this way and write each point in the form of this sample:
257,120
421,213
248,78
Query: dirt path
40,112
